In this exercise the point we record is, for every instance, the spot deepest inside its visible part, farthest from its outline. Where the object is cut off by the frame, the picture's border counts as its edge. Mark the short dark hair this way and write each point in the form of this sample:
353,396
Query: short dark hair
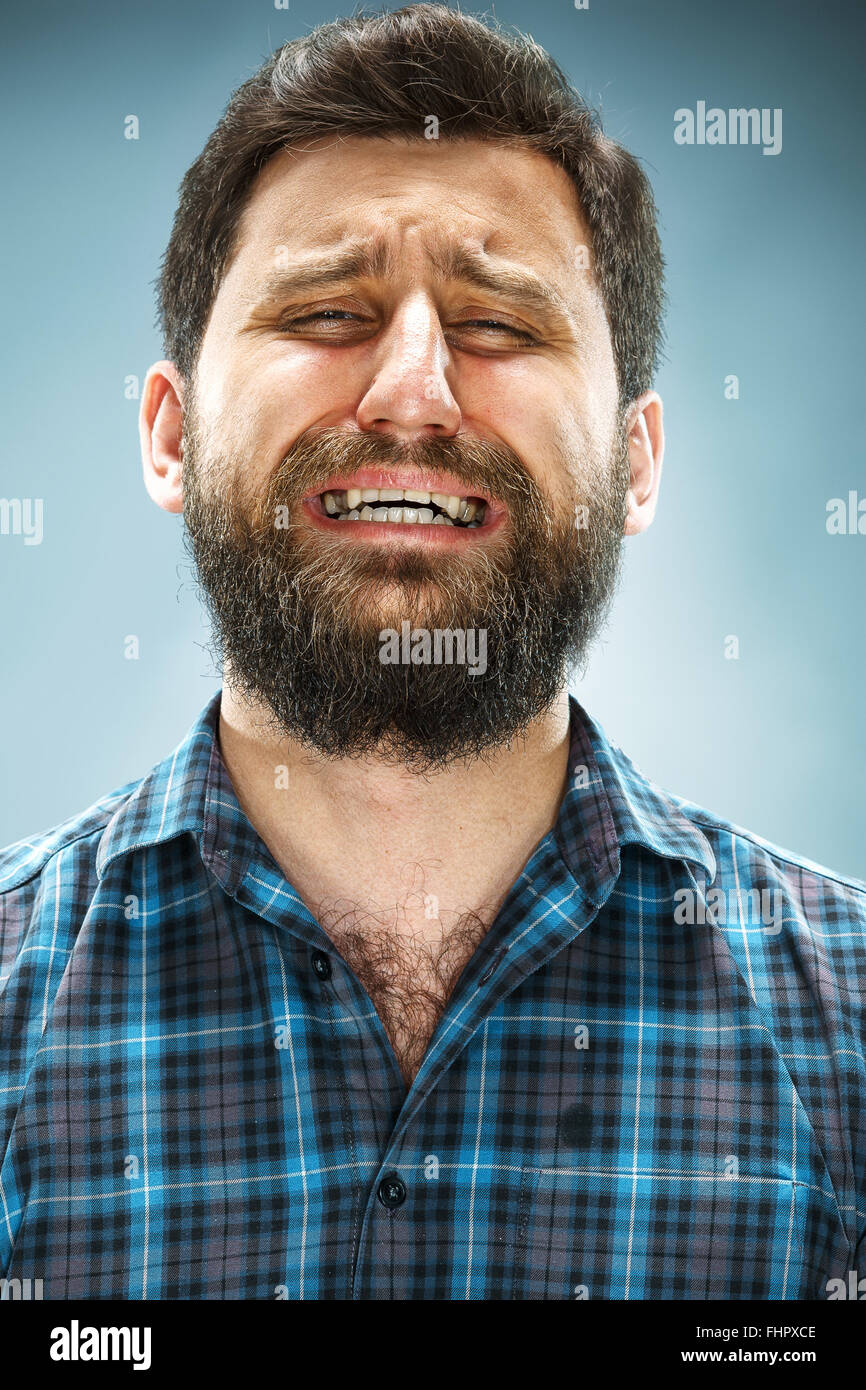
384,74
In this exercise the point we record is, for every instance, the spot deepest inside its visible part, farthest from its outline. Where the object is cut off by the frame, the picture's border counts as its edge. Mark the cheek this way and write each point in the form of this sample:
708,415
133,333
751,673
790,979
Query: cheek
556,451
257,413
508,397
579,465
554,424
274,391
304,381
507,403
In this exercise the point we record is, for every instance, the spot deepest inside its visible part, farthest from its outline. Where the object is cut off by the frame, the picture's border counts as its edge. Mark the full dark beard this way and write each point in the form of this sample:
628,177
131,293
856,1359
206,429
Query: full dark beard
300,614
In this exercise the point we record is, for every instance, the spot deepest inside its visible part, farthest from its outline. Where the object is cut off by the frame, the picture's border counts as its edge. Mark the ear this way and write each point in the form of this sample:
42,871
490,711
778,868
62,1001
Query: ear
646,447
160,430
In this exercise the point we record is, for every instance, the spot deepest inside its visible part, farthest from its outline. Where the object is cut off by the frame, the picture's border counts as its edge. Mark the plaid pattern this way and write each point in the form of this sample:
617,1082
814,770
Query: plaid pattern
616,1104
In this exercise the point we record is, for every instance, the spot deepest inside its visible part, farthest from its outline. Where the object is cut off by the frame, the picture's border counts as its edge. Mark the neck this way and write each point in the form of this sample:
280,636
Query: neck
388,839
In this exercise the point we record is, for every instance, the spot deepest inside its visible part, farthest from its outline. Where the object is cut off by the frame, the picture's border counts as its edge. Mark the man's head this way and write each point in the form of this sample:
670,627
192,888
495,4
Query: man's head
351,305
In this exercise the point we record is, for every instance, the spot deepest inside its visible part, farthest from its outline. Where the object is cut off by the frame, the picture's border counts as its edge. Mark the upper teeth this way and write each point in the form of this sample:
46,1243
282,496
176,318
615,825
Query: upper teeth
351,506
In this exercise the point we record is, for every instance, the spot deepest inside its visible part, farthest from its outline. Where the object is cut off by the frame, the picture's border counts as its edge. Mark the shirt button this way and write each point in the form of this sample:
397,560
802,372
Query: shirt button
392,1191
322,965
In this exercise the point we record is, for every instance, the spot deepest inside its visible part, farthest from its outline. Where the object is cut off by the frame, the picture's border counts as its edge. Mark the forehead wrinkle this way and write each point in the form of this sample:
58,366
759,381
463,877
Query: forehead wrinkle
377,259
466,264
358,259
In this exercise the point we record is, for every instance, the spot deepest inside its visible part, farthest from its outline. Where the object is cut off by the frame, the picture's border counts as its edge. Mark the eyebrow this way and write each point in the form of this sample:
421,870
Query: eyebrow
456,263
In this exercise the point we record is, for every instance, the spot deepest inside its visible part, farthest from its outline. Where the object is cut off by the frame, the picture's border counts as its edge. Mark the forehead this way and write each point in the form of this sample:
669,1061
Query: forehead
415,198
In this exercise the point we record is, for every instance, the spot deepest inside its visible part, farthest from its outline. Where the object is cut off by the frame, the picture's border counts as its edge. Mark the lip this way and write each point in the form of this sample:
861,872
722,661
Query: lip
385,532
391,532
415,478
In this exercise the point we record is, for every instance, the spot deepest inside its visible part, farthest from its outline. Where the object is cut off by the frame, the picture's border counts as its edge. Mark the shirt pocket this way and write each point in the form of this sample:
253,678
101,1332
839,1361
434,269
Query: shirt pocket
659,1234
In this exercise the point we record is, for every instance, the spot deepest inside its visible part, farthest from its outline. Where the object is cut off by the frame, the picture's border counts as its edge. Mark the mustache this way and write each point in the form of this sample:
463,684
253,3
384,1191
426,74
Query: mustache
317,456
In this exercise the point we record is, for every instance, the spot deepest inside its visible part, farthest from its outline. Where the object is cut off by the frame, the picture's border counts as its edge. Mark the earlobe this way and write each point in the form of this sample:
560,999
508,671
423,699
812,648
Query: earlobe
645,431
160,428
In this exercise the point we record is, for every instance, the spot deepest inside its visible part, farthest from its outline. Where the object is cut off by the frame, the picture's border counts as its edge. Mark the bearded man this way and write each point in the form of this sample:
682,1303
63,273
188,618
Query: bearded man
397,979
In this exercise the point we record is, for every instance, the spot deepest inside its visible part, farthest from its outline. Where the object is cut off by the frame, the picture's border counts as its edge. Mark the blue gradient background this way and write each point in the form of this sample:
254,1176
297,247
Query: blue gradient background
765,281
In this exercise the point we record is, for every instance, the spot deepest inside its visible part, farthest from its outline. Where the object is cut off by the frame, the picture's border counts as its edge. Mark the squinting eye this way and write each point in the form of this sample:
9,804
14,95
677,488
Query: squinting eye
487,325
493,325
322,314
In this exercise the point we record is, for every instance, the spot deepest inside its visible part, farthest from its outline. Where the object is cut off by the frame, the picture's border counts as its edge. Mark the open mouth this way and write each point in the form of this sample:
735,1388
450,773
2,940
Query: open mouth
405,506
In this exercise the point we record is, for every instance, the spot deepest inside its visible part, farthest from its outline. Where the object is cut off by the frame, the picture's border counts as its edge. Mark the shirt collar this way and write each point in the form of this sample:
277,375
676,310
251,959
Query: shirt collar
608,803
172,799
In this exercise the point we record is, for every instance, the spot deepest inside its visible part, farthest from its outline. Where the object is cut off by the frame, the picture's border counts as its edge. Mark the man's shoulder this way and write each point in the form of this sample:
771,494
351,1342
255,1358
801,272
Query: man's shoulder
153,806
25,861
726,851
735,846
763,891
726,855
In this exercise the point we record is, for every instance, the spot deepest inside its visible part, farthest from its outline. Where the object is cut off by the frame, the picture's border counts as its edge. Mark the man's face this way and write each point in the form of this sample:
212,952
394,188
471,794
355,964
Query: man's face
430,368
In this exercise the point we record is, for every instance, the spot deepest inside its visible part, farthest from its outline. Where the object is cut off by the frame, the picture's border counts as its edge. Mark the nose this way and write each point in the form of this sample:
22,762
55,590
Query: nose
409,393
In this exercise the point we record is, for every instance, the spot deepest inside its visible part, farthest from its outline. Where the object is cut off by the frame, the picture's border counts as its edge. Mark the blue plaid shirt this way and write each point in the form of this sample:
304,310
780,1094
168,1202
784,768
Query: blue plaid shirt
648,1083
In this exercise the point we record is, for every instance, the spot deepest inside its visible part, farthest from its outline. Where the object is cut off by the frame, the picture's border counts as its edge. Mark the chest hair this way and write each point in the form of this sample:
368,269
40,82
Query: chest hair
409,976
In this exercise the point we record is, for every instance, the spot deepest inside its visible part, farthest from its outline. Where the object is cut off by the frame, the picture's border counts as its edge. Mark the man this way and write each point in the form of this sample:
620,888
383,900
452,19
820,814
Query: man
397,979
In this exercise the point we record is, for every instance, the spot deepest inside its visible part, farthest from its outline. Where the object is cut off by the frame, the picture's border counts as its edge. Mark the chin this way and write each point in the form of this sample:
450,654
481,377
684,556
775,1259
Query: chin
388,603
